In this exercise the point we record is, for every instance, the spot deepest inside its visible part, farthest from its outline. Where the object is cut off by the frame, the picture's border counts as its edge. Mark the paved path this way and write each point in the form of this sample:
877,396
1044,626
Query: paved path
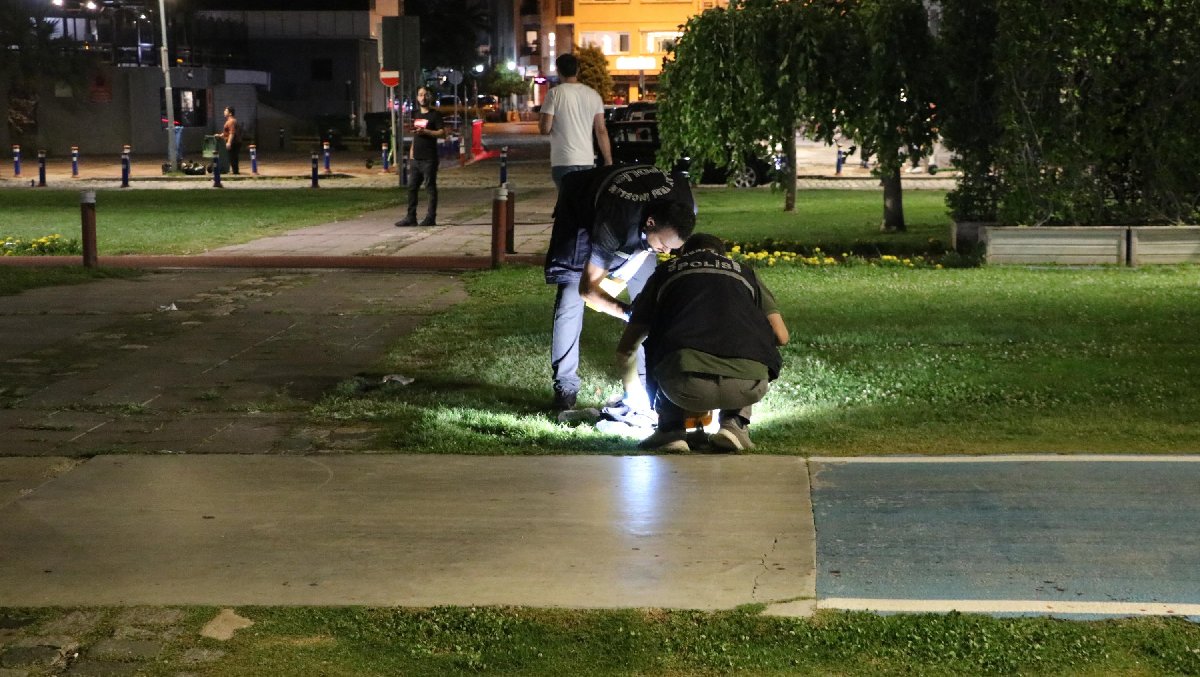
1085,537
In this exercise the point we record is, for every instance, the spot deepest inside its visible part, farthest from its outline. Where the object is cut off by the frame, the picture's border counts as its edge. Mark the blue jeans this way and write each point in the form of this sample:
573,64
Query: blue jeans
568,325
557,172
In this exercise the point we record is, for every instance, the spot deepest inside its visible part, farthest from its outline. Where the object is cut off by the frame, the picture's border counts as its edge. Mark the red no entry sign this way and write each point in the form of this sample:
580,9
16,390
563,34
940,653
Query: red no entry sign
389,78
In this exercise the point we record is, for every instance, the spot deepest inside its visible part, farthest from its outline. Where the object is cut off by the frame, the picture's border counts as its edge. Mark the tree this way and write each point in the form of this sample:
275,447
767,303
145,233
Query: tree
29,57
970,108
894,93
747,77
593,71
504,82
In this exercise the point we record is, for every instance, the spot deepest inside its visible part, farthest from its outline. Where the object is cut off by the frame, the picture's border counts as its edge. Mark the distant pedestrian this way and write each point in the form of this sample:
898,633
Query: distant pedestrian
232,134
423,167
572,114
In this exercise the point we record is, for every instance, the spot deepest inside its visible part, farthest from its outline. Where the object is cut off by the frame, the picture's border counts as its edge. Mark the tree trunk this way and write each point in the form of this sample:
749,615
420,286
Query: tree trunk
893,203
789,177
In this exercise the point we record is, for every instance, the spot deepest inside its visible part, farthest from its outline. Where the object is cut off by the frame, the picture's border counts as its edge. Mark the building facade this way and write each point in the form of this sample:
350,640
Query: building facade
634,34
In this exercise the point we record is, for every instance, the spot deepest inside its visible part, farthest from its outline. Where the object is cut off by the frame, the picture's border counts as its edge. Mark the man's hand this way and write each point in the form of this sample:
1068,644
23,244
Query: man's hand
592,293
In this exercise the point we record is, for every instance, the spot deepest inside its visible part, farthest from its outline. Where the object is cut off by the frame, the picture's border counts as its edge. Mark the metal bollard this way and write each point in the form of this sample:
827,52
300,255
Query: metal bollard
281,139
325,145
315,181
41,169
74,162
254,159
510,223
504,165
16,159
87,214
386,158
126,167
217,170
841,160
499,227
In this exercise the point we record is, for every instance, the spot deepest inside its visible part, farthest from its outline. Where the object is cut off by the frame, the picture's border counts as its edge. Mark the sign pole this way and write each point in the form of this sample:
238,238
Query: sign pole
392,107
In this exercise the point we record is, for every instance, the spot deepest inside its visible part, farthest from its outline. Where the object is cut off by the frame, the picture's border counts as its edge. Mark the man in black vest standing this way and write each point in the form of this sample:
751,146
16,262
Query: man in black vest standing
609,222
712,332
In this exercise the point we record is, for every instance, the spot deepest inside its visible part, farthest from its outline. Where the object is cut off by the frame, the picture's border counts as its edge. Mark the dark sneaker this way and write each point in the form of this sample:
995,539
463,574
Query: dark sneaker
428,222
733,436
406,222
564,400
666,440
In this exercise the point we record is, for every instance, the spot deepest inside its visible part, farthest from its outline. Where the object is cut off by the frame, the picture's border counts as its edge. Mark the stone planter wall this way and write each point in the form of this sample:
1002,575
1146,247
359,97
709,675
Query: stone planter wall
1164,244
1092,245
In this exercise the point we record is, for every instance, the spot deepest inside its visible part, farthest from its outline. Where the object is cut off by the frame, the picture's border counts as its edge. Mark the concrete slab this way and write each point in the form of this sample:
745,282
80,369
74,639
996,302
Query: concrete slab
106,369
20,476
707,532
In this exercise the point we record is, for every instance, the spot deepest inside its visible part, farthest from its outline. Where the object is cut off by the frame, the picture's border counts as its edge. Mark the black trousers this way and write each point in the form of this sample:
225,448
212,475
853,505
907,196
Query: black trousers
235,149
422,172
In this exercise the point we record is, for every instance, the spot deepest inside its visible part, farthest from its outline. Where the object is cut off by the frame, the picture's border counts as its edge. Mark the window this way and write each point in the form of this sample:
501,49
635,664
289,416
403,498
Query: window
566,7
191,106
609,42
660,42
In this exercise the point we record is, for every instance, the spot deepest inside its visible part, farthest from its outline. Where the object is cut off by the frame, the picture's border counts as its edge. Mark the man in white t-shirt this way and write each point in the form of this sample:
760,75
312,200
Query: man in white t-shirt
571,113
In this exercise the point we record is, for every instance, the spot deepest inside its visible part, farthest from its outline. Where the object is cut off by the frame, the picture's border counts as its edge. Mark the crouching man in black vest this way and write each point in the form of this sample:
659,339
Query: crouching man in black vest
711,333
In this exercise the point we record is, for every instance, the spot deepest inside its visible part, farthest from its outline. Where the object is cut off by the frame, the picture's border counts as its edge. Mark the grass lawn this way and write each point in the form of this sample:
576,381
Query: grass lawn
444,641
182,221
834,220
883,360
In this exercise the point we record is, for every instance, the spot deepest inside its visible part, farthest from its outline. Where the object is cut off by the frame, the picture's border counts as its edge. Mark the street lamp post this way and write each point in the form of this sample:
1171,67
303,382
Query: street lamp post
172,150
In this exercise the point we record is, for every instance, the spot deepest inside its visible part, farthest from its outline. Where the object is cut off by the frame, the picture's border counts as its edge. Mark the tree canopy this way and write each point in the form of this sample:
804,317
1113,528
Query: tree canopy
593,71
748,77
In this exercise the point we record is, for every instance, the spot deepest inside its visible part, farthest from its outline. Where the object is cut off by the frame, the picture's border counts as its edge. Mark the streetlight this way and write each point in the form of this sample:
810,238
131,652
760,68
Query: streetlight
172,149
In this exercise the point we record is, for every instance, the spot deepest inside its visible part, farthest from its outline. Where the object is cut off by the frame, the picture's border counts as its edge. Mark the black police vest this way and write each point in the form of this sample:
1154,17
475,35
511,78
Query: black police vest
710,303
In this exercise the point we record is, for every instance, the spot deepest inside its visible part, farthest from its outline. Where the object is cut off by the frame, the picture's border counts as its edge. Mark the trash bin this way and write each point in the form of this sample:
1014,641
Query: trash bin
215,151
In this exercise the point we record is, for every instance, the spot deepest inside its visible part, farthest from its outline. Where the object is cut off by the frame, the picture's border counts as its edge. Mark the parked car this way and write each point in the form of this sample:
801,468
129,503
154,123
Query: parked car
487,107
637,141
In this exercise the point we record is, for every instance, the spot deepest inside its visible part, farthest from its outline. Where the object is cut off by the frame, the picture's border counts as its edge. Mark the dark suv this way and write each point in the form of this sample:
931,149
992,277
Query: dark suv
636,141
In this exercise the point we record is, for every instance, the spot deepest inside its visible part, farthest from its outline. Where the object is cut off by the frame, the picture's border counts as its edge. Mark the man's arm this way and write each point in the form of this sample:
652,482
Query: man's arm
545,122
590,292
627,355
602,138
778,328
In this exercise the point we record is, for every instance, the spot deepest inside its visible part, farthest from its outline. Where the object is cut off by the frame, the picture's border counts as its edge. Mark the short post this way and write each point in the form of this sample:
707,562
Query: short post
125,166
281,139
510,223
217,171
841,160
316,183
87,213
325,145
74,162
504,165
41,169
254,159
462,152
499,216
386,158
16,159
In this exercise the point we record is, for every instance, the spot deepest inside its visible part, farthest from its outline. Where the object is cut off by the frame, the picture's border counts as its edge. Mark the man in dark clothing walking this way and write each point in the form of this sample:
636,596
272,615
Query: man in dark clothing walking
711,332
423,154
607,220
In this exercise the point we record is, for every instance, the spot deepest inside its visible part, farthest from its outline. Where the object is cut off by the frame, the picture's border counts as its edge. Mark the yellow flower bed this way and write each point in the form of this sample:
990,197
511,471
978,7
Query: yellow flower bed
49,245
